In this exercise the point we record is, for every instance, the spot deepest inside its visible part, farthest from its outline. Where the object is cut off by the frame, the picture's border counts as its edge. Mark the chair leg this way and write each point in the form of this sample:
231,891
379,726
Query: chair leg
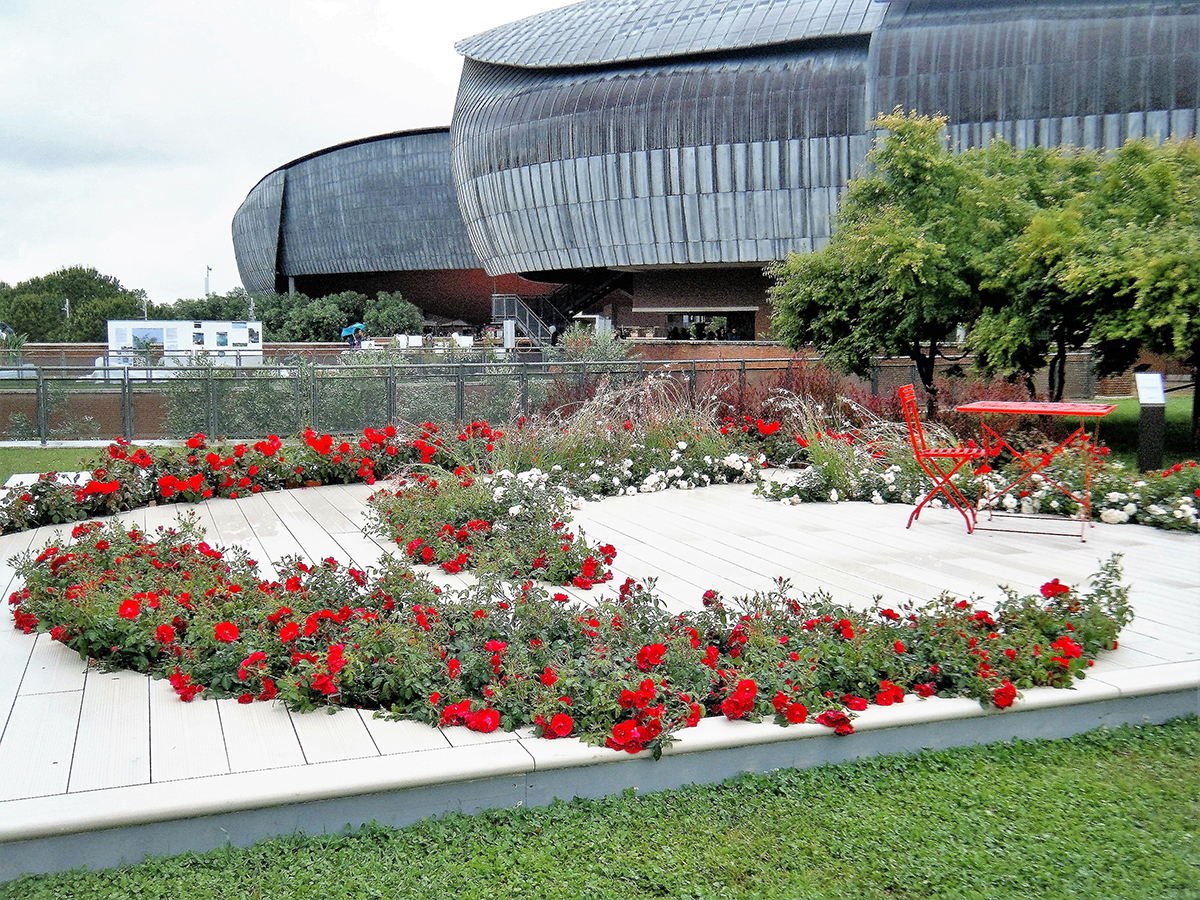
944,486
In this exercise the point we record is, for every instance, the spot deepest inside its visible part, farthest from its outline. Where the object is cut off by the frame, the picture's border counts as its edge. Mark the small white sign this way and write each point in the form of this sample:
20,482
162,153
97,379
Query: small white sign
1150,389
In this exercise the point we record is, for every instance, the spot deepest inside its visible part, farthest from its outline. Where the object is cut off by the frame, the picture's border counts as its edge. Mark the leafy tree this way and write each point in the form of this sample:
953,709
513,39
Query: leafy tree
90,323
316,320
391,314
900,272
1152,264
352,304
233,306
39,305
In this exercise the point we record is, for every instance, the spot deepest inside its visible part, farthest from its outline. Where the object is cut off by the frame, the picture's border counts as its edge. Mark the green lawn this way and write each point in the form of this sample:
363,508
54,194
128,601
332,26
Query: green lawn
1105,814
16,460
1119,430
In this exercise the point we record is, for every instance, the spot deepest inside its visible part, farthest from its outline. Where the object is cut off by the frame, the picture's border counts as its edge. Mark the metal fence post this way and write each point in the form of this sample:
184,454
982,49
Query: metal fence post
390,385
42,406
874,378
127,420
210,396
742,385
523,381
316,399
460,394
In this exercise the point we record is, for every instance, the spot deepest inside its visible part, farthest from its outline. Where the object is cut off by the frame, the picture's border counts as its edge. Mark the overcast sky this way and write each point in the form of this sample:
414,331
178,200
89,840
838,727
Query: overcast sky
131,130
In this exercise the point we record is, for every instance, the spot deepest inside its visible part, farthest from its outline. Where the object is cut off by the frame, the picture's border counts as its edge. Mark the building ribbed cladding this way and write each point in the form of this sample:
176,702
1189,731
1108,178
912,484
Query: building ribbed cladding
374,206
1081,73
256,234
729,160
602,32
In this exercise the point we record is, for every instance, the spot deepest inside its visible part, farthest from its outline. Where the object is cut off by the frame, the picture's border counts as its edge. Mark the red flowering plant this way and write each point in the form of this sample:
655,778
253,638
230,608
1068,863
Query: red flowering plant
623,673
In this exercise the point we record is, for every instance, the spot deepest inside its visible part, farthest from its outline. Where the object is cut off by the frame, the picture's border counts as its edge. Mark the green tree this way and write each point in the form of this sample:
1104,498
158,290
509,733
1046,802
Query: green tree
1152,264
40,305
900,272
233,306
391,314
316,320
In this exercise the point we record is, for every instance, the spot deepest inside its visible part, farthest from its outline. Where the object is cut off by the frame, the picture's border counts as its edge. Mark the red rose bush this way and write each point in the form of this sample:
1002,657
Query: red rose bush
509,653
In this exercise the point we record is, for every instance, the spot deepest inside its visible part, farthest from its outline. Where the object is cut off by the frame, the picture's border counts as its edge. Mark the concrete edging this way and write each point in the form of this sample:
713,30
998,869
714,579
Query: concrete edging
123,825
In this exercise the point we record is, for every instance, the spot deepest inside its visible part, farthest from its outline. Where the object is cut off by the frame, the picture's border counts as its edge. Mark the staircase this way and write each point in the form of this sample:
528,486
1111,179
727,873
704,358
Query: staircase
535,315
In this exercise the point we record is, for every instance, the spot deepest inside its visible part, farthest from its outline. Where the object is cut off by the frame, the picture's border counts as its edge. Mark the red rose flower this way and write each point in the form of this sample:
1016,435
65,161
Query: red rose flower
796,713
129,609
164,634
226,632
1053,589
1004,695
561,725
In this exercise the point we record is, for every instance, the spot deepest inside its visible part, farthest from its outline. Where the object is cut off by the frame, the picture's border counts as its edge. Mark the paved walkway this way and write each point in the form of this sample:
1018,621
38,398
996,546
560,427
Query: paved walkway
84,750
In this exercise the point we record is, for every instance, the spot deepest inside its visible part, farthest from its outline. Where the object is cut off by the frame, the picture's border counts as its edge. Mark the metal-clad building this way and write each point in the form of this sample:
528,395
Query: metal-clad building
667,138
373,214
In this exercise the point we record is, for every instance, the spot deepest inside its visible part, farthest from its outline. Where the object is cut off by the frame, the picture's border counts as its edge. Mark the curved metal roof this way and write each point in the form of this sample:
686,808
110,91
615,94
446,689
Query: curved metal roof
602,32
380,204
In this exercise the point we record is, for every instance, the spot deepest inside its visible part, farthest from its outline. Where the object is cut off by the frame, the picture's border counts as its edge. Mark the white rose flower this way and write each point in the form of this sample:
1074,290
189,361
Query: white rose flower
631,491
833,496
556,468
682,445
514,510
1155,510
1114,516
1129,509
876,498
1010,502
593,477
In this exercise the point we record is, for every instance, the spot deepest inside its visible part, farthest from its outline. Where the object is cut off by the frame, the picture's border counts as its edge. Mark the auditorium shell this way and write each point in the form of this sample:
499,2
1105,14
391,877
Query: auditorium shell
663,152
377,214
691,142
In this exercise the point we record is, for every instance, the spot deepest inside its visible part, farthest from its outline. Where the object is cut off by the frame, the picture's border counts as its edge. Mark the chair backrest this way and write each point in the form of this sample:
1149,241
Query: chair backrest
908,399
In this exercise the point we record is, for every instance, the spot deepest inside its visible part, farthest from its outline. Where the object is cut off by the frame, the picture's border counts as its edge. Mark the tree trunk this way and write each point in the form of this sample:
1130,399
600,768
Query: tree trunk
1057,373
924,365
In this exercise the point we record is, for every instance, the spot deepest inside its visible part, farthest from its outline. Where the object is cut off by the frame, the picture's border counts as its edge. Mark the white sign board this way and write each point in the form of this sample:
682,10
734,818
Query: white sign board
131,341
1150,389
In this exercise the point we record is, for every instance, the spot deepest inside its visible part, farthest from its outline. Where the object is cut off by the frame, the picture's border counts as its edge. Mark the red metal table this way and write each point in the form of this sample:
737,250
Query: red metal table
1036,463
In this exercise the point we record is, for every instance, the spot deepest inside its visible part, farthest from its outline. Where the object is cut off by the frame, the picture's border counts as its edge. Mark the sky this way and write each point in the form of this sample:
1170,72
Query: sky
131,130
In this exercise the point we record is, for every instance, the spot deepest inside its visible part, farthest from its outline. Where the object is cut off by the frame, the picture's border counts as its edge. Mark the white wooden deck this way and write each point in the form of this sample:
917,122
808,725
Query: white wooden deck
100,748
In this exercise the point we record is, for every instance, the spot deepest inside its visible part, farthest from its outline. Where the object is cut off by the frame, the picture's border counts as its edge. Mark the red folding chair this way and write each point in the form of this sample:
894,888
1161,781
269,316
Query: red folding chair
936,462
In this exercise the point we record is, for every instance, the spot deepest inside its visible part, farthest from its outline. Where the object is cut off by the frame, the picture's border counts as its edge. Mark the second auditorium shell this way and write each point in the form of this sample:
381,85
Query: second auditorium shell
645,135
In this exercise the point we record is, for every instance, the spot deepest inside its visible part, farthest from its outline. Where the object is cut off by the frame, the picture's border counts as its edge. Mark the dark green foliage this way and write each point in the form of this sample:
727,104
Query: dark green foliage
1036,252
390,314
36,307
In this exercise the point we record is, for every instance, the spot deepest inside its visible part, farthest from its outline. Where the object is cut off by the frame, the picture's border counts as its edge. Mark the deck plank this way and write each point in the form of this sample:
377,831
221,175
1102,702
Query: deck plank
259,736
186,740
53,667
112,746
36,751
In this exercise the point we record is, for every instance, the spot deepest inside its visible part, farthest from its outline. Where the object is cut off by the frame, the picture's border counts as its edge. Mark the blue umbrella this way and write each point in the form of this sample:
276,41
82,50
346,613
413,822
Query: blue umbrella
350,329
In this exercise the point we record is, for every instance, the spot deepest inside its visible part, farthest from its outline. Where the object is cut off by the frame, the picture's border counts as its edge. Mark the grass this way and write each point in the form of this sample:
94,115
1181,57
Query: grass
1110,813
17,460
1119,430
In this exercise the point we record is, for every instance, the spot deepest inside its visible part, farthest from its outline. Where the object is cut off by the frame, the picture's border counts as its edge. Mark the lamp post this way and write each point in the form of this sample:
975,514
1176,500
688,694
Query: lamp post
207,272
